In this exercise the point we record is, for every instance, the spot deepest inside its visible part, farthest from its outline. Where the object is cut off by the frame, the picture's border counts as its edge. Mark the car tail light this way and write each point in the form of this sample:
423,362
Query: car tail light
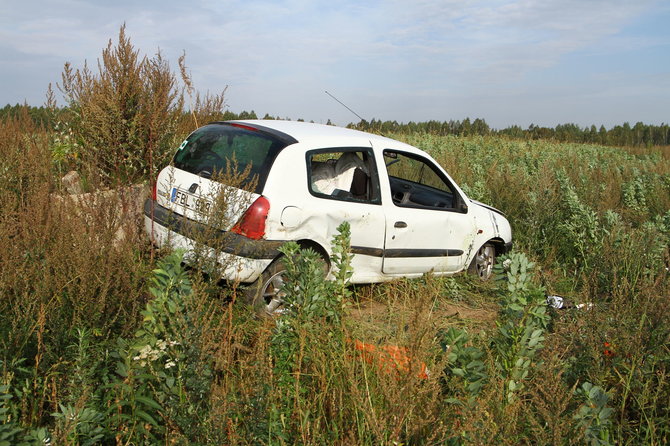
252,223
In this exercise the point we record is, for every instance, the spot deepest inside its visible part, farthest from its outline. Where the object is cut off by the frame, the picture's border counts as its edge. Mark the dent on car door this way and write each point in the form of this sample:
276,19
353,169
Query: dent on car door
344,184
427,225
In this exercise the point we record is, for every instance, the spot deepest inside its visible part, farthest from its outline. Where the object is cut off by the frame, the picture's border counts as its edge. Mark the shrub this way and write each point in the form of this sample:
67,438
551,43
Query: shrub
125,120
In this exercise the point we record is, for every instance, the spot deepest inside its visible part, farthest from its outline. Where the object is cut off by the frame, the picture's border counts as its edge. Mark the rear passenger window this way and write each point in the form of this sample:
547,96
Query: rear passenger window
343,174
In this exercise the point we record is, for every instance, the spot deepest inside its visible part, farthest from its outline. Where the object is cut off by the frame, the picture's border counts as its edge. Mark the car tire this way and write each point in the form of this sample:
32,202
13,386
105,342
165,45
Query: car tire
265,295
482,264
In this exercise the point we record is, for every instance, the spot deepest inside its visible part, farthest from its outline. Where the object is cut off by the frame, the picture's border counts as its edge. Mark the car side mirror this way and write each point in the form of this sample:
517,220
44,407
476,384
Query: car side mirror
461,206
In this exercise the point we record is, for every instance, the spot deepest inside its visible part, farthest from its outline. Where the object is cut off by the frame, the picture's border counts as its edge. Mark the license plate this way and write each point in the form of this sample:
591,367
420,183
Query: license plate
190,201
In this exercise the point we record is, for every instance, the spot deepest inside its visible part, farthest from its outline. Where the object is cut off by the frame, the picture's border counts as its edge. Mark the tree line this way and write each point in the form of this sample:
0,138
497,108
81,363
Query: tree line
48,117
639,134
620,135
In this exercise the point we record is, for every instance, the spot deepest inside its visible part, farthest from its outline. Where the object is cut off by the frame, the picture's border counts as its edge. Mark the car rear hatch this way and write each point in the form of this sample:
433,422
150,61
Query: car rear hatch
218,172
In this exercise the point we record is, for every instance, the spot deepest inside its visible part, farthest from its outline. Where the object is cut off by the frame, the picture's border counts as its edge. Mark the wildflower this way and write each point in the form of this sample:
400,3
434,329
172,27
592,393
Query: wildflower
170,364
608,352
147,353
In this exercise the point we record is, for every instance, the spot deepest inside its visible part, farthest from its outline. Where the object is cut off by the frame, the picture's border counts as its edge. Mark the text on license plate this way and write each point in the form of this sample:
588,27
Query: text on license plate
190,201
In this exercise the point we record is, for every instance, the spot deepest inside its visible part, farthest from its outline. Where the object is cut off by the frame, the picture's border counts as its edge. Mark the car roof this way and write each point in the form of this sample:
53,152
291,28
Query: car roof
309,132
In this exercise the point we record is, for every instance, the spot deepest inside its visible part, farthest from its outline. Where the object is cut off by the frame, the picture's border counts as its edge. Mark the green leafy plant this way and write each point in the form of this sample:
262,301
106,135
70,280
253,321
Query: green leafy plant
85,427
9,428
163,378
579,228
11,431
593,416
522,322
465,362
313,313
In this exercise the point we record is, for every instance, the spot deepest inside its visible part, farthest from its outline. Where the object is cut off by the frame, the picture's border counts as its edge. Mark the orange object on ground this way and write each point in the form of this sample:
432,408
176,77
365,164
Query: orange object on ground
389,357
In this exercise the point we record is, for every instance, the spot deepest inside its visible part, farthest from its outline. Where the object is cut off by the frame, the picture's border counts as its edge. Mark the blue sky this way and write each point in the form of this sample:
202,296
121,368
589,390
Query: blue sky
544,62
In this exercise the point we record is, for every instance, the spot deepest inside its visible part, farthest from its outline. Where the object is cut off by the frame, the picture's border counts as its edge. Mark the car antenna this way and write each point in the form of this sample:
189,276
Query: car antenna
342,103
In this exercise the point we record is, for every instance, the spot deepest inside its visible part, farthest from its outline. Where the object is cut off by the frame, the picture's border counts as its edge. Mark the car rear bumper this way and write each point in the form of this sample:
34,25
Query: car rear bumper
242,259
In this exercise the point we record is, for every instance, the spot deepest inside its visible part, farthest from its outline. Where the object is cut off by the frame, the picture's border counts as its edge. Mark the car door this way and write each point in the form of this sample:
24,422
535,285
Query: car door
344,186
428,227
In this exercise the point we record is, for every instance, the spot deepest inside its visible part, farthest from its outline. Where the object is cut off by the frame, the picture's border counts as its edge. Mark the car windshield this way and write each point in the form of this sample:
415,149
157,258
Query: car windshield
225,150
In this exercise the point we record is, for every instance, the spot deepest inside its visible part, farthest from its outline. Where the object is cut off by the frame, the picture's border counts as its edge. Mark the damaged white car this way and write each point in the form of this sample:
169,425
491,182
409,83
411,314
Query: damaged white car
298,181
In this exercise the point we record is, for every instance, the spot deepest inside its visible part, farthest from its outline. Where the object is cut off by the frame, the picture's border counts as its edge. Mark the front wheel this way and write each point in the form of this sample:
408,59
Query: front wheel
482,263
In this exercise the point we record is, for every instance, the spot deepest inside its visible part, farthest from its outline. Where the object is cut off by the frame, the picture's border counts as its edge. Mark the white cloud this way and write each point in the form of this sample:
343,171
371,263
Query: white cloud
396,59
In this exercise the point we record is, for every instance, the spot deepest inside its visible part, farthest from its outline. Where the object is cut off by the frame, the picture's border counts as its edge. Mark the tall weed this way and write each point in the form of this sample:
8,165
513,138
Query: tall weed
124,119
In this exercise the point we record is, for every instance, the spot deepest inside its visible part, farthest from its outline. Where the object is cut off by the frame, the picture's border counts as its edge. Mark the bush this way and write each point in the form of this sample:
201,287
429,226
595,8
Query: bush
124,121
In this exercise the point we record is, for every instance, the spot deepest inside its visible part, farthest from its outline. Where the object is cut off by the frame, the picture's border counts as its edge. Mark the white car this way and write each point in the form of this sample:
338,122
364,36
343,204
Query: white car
298,181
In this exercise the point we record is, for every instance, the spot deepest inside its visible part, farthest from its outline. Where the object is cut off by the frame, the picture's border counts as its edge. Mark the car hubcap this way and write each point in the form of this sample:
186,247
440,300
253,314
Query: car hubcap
272,294
484,261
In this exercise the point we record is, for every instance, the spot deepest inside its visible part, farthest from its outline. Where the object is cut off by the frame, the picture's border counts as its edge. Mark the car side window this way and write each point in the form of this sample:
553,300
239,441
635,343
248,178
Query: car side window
416,182
343,174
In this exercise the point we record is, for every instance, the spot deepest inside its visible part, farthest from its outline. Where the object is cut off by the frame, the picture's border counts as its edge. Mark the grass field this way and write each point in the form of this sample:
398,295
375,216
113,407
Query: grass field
104,341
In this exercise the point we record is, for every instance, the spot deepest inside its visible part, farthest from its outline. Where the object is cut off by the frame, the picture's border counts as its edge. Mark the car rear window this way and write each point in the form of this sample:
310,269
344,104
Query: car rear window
220,149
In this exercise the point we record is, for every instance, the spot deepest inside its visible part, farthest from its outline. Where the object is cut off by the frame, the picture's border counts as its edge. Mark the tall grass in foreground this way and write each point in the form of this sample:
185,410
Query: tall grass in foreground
99,345
597,219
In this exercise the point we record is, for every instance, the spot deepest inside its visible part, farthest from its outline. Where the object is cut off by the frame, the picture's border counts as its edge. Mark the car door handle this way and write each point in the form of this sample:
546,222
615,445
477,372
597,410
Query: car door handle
400,224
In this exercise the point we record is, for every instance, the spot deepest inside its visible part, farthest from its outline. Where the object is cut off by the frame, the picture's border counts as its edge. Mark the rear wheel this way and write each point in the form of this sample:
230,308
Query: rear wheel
265,293
482,263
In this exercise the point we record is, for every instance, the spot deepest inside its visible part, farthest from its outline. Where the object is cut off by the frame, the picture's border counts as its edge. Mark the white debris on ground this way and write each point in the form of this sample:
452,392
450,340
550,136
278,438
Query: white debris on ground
561,303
